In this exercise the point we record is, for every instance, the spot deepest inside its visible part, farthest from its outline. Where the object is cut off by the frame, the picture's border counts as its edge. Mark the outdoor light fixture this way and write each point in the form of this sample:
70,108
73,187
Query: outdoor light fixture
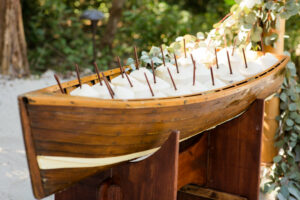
94,16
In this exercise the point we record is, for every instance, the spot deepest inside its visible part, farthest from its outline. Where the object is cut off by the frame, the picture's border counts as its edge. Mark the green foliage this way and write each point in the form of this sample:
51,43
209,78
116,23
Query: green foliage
286,174
57,38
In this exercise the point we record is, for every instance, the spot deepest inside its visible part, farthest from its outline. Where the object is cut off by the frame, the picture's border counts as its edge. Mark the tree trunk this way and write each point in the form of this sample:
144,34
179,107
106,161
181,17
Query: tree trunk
112,25
13,53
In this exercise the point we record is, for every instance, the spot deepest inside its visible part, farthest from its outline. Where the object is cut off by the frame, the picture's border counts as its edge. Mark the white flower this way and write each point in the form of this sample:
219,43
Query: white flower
230,22
179,39
249,3
242,35
190,45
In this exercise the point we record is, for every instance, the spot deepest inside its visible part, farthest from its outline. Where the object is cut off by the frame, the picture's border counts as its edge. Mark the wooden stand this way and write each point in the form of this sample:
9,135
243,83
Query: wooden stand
225,159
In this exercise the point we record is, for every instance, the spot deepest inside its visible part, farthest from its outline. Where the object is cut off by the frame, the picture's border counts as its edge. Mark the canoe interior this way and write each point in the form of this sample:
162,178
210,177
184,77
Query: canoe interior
110,74
56,124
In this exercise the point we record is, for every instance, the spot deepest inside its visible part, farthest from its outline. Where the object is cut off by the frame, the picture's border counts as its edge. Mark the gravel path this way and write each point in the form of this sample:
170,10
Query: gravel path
14,175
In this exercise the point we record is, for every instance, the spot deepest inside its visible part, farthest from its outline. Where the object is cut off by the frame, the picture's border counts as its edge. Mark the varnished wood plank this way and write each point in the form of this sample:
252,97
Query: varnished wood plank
153,178
193,162
193,192
35,177
234,155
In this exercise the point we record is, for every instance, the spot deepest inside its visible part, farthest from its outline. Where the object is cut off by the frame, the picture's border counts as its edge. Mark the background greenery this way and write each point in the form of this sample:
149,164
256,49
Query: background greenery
57,38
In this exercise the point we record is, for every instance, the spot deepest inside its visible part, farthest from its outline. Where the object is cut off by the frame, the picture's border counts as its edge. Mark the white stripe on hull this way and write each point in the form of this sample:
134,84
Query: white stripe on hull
58,162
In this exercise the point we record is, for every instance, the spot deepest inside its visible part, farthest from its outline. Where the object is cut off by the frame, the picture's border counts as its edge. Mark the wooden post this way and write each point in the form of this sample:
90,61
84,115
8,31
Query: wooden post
232,152
272,106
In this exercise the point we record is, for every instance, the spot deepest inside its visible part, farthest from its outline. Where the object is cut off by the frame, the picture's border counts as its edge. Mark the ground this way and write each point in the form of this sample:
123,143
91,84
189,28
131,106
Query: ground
14,176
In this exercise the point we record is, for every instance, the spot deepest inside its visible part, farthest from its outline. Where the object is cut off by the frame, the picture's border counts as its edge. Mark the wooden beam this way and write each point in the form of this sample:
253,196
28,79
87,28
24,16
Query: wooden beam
194,192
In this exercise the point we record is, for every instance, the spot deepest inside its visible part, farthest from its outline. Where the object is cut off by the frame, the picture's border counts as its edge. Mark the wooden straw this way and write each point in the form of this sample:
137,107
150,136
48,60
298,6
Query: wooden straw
217,58
136,59
228,58
97,71
162,54
194,70
245,59
229,63
177,68
184,46
149,84
105,79
111,92
120,66
78,76
153,72
212,76
58,82
128,79
172,79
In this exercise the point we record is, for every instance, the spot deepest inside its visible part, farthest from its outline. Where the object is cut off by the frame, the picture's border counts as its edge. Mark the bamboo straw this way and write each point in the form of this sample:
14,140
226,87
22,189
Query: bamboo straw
149,84
130,83
172,79
120,66
162,54
111,92
212,76
245,59
194,70
153,72
229,62
97,71
78,76
58,82
177,68
136,59
228,58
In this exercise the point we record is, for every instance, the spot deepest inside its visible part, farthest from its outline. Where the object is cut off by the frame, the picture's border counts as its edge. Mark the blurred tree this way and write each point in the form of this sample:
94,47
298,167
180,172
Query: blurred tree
112,25
13,53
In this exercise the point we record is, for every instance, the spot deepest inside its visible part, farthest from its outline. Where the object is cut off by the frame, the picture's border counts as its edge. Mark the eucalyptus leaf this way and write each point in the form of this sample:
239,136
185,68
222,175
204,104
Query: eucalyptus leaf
283,97
289,122
284,191
277,159
294,191
293,107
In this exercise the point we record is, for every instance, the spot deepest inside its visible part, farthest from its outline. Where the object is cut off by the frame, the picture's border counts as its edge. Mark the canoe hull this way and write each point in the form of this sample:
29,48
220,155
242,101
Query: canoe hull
84,136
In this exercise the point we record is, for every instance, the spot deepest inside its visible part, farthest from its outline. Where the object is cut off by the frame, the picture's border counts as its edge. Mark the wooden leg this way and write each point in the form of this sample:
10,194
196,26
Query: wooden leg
234,154
226,158
153,178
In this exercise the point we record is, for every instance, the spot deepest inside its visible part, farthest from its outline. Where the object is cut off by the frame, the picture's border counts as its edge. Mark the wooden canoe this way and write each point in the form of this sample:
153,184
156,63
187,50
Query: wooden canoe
69,138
